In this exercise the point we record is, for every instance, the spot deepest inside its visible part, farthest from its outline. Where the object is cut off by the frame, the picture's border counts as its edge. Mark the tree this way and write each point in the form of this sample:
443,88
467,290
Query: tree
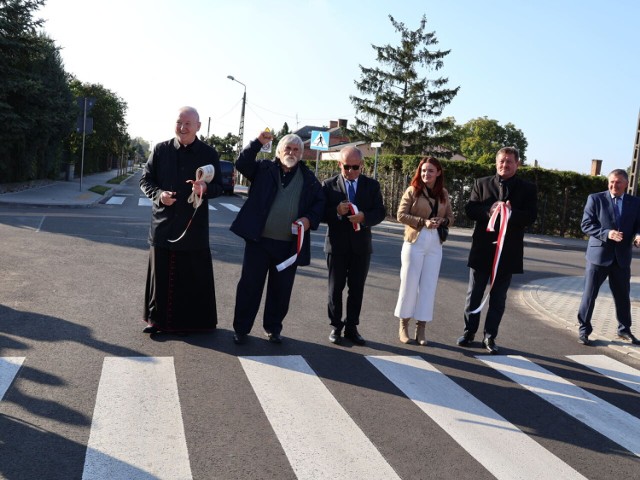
109,138
35,99
481,138
225,146
401,99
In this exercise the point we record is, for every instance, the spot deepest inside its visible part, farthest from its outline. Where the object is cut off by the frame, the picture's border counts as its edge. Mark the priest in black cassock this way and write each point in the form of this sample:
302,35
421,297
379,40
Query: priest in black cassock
180,295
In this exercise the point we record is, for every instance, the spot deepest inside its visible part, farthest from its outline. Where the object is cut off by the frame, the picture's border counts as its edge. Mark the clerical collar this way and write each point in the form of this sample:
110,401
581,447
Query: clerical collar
177,145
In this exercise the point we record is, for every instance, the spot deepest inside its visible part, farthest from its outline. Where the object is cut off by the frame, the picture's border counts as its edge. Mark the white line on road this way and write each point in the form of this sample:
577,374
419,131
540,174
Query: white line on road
606,419
319,438
618,371
116,200
500,446
231,207
144,202
9,367
137,429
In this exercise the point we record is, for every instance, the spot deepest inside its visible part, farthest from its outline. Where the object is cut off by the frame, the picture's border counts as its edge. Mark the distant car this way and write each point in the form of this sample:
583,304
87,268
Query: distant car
228,172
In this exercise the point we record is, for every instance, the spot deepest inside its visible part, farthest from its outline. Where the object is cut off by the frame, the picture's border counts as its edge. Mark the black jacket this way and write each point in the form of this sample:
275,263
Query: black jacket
265,178
524,209
341,238
168,168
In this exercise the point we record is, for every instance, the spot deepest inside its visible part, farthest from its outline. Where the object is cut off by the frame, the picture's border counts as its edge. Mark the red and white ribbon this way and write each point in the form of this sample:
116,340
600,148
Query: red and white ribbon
354,211
297,229
504,212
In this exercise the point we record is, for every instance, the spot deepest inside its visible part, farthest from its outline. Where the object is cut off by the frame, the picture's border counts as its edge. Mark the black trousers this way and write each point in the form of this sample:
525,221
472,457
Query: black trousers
594,277
478,281
260,260
346,270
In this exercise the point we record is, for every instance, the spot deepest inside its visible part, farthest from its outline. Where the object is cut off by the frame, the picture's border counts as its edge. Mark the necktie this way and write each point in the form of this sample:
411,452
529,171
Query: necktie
352,192
616,209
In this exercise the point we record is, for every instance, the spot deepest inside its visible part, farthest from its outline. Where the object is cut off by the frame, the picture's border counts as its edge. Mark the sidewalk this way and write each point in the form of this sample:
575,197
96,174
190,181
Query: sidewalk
62,194
556,299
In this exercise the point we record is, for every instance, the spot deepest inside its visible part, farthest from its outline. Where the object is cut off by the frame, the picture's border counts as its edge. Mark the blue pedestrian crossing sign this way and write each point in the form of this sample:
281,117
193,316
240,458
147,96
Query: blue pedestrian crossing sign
319,140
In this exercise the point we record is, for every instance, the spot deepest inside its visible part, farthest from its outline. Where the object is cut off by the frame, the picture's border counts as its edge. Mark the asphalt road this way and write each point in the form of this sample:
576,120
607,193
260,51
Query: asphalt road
88,395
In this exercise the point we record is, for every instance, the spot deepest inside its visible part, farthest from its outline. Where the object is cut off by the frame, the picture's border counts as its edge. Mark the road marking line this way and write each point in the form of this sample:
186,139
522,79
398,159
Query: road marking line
231,207
618,371
137,429
606,419
493,441
9,367
212,208
116,200
319,438
144,202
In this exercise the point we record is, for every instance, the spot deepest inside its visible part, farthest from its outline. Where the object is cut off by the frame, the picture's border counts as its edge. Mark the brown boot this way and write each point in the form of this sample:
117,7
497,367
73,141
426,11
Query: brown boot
404,330
420,335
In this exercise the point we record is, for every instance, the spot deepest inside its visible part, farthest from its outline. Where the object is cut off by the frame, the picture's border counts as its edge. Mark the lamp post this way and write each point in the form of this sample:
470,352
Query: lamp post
244,102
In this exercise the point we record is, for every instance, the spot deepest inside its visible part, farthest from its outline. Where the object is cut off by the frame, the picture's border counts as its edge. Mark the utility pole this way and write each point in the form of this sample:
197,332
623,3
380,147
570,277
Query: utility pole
632,189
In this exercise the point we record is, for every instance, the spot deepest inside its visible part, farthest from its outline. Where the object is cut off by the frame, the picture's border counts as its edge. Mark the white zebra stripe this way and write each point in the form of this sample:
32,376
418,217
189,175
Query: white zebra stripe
137,429
493,441
319,438
618,371
9,367
607,419
231,207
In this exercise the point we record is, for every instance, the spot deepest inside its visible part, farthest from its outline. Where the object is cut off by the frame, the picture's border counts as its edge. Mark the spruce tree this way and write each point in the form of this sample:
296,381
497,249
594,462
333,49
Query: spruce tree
403,98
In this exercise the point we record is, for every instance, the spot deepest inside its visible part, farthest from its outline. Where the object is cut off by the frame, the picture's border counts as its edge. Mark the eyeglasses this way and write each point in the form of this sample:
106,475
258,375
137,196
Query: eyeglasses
350,167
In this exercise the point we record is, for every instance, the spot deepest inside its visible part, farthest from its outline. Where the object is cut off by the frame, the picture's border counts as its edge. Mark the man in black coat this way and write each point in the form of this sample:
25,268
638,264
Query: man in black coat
284,196
180,293
503,190
353,206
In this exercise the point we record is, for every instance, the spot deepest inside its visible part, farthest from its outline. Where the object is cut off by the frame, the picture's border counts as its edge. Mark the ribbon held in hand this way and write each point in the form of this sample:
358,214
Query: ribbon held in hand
205,173
504,212
297,228
354,211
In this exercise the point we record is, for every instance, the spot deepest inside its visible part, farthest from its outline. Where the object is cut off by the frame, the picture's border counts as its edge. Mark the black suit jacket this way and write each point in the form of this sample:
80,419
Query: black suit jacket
341,238
523,197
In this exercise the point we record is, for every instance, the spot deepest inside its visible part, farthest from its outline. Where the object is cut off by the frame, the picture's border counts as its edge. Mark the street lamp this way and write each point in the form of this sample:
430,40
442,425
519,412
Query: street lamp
244,102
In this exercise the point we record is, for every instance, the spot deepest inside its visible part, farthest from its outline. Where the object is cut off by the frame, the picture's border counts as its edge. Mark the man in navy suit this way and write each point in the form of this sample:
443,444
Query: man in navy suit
353,205
612,221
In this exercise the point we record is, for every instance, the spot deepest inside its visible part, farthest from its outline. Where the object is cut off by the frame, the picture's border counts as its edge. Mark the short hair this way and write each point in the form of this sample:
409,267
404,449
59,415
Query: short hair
509,151
289,139
619,172
347,150
190,110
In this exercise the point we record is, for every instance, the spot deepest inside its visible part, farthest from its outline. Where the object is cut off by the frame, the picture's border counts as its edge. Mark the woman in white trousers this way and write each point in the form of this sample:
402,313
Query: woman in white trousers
424,207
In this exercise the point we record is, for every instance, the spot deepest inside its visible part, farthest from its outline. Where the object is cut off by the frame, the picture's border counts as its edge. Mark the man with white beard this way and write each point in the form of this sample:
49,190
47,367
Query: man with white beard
285,201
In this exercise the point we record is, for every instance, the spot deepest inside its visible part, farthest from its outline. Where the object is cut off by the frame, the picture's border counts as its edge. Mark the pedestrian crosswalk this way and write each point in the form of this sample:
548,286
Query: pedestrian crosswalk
316,432
119,200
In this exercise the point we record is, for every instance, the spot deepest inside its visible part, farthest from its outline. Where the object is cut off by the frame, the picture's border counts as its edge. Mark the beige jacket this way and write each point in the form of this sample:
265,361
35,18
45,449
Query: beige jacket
414,209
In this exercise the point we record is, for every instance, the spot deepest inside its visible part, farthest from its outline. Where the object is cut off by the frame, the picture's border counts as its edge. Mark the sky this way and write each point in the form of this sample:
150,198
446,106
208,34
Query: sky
565,72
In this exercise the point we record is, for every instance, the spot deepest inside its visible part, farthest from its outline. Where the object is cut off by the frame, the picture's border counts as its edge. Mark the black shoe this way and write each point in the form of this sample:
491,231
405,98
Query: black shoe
355,337
584,340
336,336
150,329
273,337
240,338
181,334
490,345
628,337
465,340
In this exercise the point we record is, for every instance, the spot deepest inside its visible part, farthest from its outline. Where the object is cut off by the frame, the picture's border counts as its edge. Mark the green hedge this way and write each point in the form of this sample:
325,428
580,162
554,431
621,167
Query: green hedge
561,195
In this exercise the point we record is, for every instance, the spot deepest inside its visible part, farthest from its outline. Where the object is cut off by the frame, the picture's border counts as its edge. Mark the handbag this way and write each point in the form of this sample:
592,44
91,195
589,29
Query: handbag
443,233
443,230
